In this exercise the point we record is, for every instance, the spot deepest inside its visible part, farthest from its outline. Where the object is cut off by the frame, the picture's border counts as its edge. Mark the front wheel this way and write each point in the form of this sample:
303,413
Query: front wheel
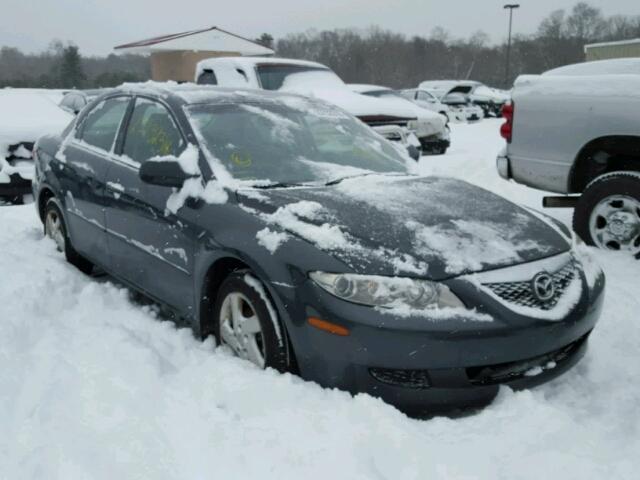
608,213
56,229
247,323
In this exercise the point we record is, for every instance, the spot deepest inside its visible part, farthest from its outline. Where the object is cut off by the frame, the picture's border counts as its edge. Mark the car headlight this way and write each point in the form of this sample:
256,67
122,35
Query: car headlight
388,292
412,125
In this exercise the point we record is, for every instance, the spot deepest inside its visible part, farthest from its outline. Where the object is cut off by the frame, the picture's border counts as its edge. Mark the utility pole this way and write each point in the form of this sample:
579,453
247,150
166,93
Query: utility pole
510,7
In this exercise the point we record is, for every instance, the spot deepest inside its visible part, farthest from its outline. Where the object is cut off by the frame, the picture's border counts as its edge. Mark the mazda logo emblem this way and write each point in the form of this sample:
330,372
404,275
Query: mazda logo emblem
543,287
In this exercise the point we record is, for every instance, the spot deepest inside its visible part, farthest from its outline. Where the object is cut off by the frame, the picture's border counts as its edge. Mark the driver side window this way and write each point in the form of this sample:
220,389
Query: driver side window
151,133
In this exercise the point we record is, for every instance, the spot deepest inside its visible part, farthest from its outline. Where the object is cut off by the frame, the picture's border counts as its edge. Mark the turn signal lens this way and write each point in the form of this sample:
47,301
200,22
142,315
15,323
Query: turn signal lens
328,326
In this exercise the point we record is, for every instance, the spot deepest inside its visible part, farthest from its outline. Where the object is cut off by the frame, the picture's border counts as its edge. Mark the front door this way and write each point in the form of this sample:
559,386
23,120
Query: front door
150,247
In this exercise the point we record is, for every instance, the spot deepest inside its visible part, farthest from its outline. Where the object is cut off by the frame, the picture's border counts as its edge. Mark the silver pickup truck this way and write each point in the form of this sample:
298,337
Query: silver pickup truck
575,130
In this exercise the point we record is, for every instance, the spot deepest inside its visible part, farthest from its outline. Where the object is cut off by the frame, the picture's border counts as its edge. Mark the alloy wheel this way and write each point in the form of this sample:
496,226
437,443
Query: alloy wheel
54,229
240,329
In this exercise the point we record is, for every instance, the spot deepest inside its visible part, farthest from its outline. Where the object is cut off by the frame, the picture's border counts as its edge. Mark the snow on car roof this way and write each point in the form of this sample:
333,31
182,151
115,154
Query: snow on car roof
251,62
617,66
441,84
192,93
365,88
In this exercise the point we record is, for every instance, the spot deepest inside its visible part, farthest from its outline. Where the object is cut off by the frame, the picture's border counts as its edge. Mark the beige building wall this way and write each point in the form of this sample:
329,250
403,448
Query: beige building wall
180,66
605,52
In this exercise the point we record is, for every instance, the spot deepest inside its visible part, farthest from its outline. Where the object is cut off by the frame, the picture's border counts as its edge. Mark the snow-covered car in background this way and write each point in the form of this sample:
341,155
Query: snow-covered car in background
25,115
430,127
299,239
75,100
490,100
429,101
314,80
576,130
462,107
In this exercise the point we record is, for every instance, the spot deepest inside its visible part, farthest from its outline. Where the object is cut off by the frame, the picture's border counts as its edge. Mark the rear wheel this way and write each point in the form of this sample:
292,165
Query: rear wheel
246,322
608,213
56,229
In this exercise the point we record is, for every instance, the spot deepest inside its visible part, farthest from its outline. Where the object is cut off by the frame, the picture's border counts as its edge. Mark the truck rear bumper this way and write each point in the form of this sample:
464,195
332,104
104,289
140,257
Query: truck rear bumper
503,164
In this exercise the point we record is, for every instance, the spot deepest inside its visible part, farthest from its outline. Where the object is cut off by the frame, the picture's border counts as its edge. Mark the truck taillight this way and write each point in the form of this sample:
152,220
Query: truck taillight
506,129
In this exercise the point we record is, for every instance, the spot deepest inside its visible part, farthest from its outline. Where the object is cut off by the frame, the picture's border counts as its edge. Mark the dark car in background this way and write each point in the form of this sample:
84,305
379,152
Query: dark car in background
295,235
25,114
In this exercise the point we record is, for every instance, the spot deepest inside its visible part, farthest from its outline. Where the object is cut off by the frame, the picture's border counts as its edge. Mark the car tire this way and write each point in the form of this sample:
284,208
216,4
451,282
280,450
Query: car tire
608,213
246,321
56,229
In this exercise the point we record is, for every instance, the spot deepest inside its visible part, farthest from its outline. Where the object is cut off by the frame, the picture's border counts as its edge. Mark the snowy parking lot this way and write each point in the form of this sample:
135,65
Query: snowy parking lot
93,385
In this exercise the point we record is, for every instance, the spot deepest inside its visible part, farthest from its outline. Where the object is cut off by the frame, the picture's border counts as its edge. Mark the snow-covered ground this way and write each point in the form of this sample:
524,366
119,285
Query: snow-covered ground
93,385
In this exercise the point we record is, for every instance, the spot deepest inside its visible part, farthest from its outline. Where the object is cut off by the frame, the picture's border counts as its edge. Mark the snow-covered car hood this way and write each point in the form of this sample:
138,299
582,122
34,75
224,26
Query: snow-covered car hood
430,227
318,85
429,123
27,115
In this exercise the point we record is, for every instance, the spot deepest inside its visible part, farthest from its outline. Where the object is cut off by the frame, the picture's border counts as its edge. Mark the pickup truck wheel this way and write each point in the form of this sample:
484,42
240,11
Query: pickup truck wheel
56,229
608,213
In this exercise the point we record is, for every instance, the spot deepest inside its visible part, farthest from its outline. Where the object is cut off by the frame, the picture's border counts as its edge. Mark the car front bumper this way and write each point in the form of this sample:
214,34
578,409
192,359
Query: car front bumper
441,364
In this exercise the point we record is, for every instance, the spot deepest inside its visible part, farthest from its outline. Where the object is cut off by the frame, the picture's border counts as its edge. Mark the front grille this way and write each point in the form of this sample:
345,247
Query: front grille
506,372
401,378
521,293
384,120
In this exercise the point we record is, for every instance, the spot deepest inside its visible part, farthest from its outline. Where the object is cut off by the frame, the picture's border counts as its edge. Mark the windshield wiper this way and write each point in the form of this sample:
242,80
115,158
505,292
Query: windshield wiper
279,185
341,179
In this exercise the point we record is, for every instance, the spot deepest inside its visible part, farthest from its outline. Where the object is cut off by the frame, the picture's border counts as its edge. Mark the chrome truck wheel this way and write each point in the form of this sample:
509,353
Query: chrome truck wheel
608,213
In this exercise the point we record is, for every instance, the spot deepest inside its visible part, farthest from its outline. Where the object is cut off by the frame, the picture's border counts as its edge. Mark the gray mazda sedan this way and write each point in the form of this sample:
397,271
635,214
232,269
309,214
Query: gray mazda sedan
300,239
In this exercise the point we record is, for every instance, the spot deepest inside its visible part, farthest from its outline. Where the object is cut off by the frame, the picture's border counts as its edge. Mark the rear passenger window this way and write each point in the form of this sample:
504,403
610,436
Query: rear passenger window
151,133
101,125
208,77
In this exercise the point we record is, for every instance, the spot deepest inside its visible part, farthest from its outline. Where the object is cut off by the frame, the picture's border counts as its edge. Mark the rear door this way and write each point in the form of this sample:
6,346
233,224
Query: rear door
150,247
83,162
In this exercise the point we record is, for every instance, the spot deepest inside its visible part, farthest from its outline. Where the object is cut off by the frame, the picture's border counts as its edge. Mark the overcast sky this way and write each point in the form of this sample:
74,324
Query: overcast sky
98,25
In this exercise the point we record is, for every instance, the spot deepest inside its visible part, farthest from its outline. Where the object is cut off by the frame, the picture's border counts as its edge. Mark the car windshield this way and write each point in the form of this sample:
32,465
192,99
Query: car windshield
273,76
298,143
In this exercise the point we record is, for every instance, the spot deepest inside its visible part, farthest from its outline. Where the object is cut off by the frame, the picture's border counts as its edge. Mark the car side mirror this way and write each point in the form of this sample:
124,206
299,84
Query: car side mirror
164,173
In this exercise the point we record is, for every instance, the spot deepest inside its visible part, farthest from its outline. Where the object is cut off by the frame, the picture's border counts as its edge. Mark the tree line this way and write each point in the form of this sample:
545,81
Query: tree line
62,66
374,55
386,58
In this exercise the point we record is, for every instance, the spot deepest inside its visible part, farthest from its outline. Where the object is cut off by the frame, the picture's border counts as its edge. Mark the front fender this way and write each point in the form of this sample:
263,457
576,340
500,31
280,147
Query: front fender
280,271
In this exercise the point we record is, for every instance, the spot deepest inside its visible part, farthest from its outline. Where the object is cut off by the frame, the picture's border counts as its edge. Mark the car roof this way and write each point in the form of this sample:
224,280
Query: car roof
191,93
250,62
